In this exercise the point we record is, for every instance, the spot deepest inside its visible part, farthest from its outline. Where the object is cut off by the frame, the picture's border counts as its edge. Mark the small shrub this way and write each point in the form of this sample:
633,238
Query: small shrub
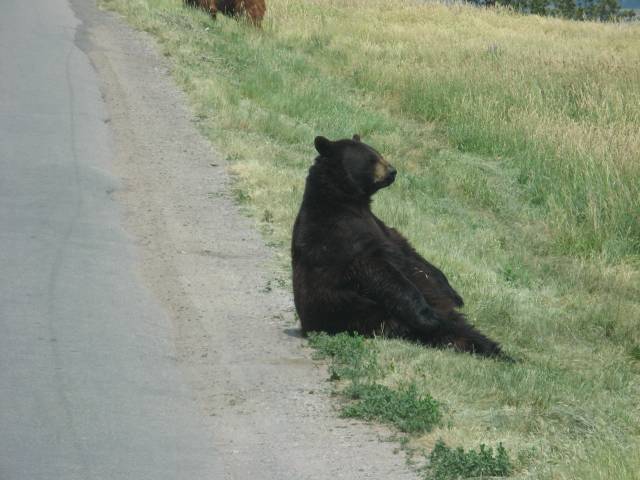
405,408
452,464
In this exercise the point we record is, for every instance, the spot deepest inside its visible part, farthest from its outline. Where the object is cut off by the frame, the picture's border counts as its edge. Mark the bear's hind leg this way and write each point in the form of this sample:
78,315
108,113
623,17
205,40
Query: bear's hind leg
454,331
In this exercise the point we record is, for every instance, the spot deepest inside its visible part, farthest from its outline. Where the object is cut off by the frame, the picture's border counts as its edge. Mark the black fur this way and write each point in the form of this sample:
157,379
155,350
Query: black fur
353,273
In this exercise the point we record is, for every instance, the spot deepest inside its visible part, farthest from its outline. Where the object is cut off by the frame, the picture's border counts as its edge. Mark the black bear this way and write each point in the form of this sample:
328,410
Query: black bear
352,273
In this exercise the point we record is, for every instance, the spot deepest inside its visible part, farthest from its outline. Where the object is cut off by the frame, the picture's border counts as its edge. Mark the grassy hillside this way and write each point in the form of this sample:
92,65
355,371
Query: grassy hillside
517,141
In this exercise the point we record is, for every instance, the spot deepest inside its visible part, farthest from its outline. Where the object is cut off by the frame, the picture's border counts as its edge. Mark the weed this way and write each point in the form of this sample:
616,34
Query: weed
353,358
451,464
406,408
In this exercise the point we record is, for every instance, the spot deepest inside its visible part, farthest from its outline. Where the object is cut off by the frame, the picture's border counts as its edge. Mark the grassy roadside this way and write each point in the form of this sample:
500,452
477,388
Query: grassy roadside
518,145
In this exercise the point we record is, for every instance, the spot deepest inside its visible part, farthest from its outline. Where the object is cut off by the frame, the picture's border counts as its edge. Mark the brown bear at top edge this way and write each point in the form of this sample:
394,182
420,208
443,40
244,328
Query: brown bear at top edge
253,9
207,5
353,273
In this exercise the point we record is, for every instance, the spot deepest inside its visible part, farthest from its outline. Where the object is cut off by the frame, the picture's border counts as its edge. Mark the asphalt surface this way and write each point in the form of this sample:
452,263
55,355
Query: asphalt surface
89,383
142,335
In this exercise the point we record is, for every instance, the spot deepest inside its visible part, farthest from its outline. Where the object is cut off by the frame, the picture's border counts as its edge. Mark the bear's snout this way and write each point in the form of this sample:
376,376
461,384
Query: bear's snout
390,177
384,173
392,174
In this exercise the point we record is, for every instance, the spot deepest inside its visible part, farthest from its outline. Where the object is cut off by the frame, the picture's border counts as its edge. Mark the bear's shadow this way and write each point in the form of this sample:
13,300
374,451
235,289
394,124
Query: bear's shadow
294,332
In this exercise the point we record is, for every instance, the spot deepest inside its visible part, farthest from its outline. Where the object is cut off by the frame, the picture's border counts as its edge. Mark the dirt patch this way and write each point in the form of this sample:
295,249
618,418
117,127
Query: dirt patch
261,395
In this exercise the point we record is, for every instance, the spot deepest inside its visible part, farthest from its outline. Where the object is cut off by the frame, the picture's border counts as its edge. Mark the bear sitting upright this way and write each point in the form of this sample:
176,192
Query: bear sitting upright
352,273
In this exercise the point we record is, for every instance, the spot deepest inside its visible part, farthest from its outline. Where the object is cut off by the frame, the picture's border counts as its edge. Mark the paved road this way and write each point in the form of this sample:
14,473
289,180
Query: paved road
98,374
89,383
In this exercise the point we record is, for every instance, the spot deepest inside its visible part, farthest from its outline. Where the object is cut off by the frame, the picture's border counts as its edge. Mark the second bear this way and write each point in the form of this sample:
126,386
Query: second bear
253,9
353,273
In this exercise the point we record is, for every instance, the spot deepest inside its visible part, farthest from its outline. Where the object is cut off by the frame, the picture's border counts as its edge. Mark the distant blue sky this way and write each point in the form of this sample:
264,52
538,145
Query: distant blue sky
630,3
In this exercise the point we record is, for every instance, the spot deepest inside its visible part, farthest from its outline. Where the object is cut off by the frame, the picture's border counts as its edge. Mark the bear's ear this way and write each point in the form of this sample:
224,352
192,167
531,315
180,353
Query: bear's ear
324,146
356,137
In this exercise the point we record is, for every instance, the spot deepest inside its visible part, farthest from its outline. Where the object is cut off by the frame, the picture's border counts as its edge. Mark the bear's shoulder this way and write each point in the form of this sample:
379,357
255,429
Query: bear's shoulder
340,239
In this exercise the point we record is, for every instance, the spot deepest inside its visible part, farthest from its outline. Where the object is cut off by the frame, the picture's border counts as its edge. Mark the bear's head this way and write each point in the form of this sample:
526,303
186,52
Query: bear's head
354,165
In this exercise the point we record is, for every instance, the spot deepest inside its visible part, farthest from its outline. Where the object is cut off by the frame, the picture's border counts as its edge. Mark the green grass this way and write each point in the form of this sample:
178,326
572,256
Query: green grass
517,140
354,359
351,357
404,407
